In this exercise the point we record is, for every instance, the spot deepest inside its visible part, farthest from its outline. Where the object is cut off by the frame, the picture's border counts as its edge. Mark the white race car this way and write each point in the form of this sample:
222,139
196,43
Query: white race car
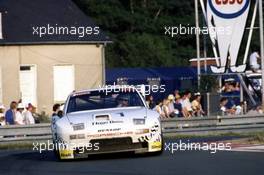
98,121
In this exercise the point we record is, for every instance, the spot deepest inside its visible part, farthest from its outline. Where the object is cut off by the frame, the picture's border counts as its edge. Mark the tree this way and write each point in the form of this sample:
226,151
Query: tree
136,28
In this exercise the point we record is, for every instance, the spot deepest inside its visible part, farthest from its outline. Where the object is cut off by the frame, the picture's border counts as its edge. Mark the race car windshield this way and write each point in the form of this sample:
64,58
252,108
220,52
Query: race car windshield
101,100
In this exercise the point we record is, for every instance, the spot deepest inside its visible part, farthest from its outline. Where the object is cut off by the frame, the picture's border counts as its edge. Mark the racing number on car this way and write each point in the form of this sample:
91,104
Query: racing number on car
230,2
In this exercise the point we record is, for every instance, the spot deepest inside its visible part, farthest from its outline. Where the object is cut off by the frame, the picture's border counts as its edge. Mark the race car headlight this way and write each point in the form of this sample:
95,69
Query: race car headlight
77,136
79,126
139,121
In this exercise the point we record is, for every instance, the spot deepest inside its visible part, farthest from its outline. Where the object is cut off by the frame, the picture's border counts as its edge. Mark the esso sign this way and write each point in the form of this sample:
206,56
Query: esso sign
228,2
229,9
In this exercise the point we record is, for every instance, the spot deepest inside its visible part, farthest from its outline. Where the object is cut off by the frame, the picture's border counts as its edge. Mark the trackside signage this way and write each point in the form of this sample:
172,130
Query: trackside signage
231,15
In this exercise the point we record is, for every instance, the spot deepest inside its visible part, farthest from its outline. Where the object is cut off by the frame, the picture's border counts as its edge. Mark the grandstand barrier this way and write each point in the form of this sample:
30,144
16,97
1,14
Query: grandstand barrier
170,128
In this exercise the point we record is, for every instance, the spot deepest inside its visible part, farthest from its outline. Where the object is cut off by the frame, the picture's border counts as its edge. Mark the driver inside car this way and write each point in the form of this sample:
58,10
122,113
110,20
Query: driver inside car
122,102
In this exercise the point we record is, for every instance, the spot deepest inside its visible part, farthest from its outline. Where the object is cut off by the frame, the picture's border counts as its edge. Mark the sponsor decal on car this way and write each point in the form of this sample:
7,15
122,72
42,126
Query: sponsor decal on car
155,145
66,154
109,130
110,134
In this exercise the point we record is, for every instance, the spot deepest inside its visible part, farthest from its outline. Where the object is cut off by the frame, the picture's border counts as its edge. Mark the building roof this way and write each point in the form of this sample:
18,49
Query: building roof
25,21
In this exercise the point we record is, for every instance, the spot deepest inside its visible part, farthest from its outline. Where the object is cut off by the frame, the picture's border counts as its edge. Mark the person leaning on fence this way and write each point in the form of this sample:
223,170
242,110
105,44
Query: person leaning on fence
196,105
2,115
240,108
11,114
158,108
224,109
29,118
20,119
178,106
186,104
172,111
165,108
56,115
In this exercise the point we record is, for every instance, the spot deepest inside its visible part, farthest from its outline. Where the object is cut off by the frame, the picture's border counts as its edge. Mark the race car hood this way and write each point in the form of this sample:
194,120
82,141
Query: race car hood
117,114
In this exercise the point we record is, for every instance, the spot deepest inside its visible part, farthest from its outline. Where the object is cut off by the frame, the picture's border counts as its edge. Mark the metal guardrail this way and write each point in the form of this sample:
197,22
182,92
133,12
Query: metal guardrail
213,125
25,133
171,127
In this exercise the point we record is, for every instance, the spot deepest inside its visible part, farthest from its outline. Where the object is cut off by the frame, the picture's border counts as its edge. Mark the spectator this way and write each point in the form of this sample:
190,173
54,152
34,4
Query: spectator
258,110
178,106
196,105
158,108
237,86
253,60
11,114
176,93
186,104
60,113
225,87
224,109
150,102
223,103
34,113
55,114
171,106
2,115
20,119
240,109
55,109
230,86
29,119
165,108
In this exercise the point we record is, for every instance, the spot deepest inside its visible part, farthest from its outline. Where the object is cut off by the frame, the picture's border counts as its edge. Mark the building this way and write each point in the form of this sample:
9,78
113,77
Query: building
48,49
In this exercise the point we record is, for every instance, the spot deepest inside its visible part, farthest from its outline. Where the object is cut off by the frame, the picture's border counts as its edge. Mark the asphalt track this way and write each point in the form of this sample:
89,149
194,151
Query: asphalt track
188,162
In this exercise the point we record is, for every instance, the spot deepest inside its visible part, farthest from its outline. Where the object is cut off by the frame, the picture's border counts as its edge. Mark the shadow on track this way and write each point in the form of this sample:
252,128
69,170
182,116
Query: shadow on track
50,157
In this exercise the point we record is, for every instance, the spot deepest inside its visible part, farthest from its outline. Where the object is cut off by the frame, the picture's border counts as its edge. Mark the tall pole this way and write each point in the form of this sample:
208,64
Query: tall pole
1,34
261,47
198,43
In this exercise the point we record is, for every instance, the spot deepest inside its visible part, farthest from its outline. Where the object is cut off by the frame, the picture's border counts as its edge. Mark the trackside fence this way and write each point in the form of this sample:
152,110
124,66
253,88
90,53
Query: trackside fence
170,127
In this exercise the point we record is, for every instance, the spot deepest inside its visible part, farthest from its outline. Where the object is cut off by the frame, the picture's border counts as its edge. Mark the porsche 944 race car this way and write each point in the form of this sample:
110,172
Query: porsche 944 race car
98,121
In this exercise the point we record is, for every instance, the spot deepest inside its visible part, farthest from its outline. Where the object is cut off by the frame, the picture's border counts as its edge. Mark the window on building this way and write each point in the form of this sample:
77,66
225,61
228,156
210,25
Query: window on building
63,76
1,34
28,84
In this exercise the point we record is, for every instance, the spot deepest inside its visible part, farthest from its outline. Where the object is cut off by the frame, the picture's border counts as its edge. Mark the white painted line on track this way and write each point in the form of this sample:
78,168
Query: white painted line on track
253,148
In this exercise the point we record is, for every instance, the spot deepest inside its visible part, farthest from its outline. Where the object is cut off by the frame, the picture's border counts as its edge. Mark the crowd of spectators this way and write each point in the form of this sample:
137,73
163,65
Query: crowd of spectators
18,114
188,105
178,105
231,86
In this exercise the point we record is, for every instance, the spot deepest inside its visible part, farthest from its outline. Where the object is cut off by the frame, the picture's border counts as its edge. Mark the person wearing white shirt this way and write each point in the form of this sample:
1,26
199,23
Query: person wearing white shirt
19,118
253,60
186,104
29,119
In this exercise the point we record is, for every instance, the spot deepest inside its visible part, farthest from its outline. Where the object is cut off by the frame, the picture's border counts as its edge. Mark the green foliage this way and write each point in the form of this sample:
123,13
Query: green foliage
43,117
136,28
208,83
